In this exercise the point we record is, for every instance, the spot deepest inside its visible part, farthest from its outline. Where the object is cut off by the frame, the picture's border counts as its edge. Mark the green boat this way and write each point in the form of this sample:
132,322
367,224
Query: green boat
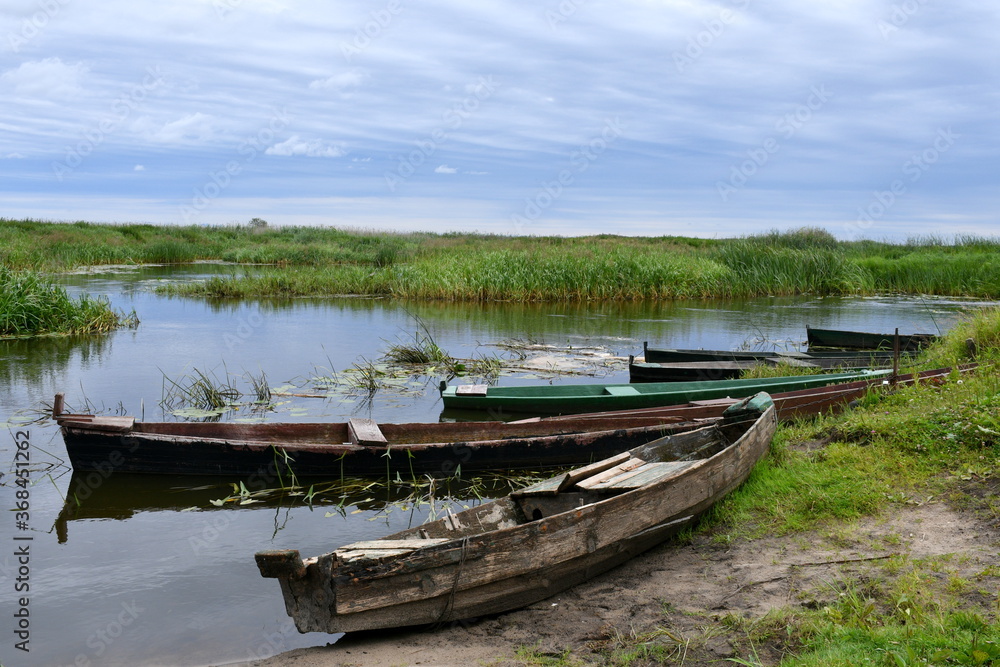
576,398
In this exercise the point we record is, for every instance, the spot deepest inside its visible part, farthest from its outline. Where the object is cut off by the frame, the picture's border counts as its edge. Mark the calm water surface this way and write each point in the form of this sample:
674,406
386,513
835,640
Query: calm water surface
147,571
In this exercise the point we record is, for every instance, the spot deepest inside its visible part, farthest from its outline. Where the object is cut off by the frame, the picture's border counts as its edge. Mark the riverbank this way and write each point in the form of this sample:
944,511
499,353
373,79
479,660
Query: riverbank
473,267
871,537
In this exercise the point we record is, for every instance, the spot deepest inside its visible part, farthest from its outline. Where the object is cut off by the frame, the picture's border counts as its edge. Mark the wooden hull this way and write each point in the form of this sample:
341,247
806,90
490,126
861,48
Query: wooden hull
571,399
333,450
527,546
729,370
791,404
860,340
826,358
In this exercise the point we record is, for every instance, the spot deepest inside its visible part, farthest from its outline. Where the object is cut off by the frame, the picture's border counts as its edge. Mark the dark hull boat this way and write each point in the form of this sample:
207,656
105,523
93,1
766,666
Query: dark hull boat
688,371
357,447
531,544
822,358
859,340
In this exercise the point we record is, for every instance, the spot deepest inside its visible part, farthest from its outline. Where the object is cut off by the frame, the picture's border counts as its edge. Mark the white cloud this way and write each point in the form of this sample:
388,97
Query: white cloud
139,167
48,78
312,148
14,156
341,81
191,127
445,169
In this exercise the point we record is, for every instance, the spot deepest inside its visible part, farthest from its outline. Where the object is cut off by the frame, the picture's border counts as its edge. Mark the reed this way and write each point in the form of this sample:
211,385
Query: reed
31,305
475,267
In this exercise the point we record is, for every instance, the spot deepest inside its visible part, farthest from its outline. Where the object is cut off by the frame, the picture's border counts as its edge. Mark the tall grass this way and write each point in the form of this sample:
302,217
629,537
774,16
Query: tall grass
30,305
475,267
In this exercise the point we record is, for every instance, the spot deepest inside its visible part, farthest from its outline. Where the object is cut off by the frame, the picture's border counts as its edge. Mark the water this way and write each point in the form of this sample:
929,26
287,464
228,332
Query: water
147,571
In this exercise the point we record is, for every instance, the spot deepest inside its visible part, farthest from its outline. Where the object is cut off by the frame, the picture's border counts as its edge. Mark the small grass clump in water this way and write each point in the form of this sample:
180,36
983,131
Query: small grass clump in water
32,306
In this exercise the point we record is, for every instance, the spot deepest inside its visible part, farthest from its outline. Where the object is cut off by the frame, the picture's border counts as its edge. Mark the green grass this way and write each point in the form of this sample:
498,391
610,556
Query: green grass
30,305
314,261
824,475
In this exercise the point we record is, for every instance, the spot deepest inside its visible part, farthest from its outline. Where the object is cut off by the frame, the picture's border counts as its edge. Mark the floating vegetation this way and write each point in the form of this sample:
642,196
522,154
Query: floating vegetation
204,395
425,497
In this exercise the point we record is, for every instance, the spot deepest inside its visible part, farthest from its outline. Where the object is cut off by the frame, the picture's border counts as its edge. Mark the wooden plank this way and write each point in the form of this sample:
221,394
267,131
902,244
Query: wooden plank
647,474
368,545
714,402
365,432
594,480
471,390
576,475
621,391
548,487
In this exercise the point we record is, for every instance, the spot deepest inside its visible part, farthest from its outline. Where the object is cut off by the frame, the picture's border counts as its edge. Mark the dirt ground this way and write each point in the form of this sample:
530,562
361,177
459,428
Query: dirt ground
687,589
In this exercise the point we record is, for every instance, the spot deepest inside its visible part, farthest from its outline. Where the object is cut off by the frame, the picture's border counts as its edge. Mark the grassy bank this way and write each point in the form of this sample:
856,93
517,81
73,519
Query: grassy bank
472,267
936,443
31,306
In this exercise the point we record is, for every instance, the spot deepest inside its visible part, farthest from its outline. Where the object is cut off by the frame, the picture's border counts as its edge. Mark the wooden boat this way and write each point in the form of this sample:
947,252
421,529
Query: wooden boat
685,371
529,545
791,404
825,358
357,447
573,398
859,340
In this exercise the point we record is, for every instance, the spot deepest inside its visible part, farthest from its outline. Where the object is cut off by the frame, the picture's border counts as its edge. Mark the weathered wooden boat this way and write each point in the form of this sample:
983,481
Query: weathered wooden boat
529,545
685,371
573,398
860,340
356,447
791,404
823,357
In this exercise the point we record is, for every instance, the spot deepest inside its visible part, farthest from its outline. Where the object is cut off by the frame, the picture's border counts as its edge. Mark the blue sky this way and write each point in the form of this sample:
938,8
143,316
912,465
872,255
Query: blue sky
873,119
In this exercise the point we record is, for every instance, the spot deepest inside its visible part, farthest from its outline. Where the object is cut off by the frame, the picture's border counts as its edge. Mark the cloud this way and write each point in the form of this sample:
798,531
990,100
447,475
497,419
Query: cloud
196,126
312,148
48,78
341,81
445,169
138,167
14,156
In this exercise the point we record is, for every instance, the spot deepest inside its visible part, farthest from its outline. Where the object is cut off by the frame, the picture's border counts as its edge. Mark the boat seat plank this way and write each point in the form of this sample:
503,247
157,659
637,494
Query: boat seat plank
547,487
621,391
610,473
647,474
471,389
577,474
374,545
105,423
365,432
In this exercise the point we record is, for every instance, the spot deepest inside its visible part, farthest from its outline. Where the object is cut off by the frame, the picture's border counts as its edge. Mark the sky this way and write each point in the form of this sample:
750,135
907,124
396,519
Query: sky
870,118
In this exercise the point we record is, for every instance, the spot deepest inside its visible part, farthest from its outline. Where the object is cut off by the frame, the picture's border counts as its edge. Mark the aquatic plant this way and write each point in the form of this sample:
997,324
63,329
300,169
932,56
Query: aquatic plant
31,305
